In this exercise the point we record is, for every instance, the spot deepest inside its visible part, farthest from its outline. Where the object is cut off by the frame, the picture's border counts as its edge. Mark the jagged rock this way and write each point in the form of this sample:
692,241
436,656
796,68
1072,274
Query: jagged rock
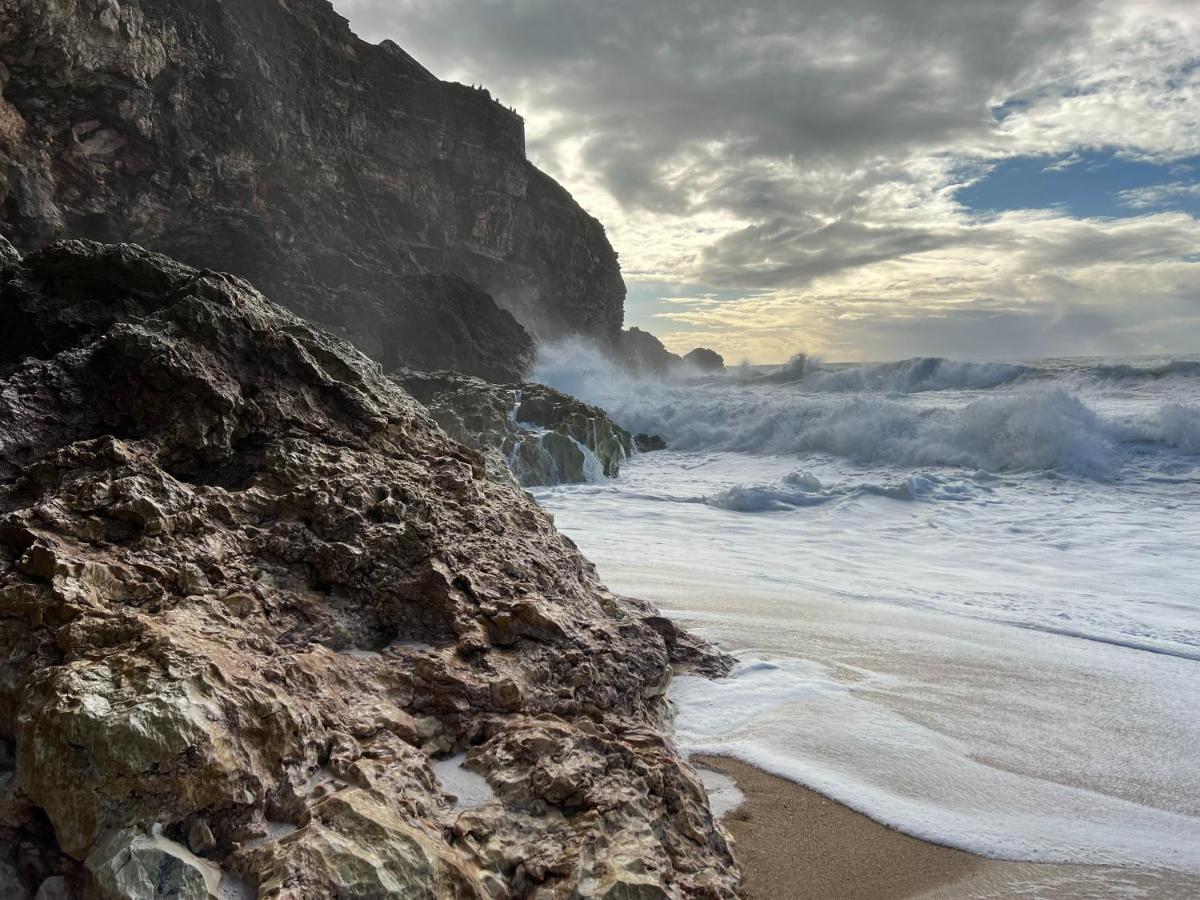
265,139
245,578
350,844
544,435
704,360
127,864
647,443
200,837
644,354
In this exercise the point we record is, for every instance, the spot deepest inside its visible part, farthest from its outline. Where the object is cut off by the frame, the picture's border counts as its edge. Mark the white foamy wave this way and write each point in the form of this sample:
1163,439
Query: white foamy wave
1029,427
903,773
800,489
1179,427
911,376
1183,368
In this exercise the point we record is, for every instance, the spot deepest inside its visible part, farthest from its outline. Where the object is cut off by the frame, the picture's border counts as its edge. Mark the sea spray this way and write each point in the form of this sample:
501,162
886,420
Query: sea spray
1017,425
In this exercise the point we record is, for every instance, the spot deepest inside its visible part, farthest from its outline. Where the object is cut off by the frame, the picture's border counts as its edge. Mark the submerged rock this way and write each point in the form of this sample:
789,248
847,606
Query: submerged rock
545,436
246,581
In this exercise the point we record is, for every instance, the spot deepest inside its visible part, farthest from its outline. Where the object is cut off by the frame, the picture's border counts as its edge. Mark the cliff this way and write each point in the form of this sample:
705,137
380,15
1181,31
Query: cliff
251,599
265,139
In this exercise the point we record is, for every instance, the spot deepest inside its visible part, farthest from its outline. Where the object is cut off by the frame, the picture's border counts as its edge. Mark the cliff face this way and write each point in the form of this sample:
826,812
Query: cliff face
263,138
249,592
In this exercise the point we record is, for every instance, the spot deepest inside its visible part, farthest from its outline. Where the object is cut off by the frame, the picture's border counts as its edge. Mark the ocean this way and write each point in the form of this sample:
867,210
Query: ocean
964,596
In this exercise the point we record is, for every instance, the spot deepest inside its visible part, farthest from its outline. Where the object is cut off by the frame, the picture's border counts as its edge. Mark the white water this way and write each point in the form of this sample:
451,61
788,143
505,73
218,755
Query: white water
966,596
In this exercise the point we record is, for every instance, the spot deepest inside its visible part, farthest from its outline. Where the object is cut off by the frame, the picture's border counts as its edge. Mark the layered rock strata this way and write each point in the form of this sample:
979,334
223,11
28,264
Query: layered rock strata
250,595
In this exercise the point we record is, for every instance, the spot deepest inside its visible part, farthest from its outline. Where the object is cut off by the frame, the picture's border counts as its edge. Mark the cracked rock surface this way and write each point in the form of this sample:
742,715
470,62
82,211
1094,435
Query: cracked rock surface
249,591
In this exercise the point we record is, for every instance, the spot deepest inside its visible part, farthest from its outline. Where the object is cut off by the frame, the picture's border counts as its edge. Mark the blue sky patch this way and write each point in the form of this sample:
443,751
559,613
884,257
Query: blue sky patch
1087,185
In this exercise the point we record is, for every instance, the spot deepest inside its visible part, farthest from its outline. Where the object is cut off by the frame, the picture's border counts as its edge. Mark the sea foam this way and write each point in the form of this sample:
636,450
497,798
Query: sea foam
1014,428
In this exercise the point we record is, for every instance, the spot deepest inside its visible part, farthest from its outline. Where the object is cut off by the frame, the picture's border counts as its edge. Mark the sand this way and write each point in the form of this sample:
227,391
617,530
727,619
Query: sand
795,844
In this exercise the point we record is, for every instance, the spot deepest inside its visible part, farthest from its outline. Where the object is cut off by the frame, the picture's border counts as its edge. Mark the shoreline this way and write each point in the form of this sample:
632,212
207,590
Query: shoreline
794,843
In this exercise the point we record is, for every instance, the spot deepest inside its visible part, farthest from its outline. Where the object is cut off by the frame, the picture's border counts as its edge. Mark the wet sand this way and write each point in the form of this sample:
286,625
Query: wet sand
795,844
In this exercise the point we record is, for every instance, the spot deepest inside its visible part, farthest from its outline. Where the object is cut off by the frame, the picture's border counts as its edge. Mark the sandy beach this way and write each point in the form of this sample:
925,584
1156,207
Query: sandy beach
793,844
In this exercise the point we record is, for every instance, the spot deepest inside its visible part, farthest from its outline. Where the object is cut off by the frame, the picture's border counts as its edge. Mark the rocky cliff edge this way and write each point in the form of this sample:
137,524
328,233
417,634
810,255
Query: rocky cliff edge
264,138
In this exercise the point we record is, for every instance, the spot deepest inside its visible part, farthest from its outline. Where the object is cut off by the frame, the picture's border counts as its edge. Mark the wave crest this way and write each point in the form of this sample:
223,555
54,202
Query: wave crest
1026,427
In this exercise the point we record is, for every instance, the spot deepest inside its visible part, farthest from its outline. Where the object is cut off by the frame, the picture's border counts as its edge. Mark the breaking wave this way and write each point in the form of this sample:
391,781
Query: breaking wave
1020,427
800,489
912,376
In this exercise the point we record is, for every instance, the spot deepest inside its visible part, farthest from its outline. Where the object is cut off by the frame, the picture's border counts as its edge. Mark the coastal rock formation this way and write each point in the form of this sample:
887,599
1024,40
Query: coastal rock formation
544,436
265,139
644,354
704,360
249,591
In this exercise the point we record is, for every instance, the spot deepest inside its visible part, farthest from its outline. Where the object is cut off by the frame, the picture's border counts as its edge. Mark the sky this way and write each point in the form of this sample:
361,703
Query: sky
866,179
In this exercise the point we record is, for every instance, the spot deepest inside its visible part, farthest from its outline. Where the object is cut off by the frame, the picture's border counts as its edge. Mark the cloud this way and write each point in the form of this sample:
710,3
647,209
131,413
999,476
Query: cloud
1159,194
807,156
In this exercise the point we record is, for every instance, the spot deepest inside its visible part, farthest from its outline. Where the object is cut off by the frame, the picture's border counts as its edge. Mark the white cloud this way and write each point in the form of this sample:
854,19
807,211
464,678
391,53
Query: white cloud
1159,194
806,155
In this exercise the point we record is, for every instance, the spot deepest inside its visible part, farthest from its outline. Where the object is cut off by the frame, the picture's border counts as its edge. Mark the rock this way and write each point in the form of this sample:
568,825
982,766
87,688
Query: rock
704,360
200,837
54,888
267,140
245,578
128,865
451,324
352,845
644,354
648,443
10,883
545,436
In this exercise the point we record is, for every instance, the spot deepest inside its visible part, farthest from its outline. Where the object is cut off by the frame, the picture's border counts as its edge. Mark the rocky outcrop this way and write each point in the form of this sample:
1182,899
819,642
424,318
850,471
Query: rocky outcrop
249,591
543,436
644,354
704,360
263,138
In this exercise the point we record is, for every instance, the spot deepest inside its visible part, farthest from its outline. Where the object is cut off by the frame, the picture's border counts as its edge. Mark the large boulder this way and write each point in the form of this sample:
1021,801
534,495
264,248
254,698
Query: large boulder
249,590
544,436
265,139
704,360
644,354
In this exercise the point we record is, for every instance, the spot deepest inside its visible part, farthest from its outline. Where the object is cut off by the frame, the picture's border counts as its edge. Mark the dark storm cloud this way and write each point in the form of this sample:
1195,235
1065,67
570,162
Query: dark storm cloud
645,84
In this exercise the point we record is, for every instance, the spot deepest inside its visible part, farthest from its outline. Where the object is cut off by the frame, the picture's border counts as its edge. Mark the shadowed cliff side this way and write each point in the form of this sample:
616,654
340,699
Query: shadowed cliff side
249,592
265,139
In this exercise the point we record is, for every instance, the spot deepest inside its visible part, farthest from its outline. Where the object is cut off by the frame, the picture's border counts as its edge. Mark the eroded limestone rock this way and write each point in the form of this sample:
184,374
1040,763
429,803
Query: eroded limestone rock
127,864
246,580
